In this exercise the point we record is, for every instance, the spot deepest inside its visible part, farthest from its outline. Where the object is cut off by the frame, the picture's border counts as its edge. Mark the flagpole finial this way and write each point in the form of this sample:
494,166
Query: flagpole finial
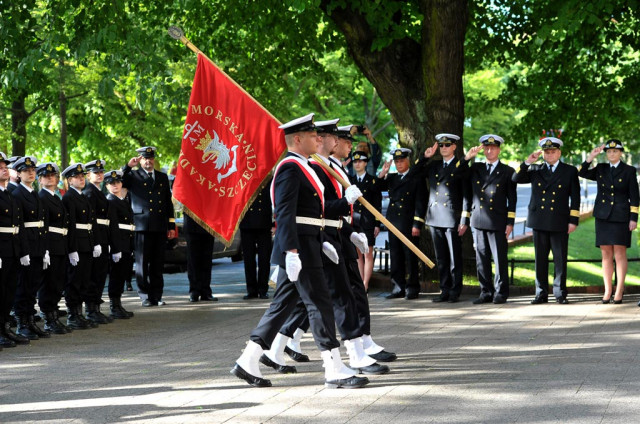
176,32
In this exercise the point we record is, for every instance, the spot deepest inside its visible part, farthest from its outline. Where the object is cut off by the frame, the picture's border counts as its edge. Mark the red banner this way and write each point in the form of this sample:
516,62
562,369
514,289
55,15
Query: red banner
230,145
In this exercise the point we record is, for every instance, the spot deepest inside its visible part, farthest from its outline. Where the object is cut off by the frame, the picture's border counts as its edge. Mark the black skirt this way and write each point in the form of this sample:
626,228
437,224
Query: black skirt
612,233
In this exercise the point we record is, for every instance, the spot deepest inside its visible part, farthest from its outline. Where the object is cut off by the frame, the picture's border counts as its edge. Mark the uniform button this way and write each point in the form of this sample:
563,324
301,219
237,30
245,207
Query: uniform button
543,191
436,175
612,203
541,207
491,209
150,200
160,211
144,184
559,186
82,210
436,193
150,193
491,200
445,205
482,198
612,195
315,194
611,186
480,206
150,210
543,199
620,180
435,203
482,191
438,184
497,185
554,193
447,184
602,200
551,208
477,182
553,201
539,184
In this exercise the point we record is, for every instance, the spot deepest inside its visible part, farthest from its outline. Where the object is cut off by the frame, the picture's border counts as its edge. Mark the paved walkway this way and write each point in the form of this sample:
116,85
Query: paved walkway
458,363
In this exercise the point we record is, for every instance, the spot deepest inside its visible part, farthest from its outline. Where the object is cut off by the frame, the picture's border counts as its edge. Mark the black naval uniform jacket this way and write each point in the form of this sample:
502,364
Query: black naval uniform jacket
32,211
407,199
370,188
55,215
494,196
259,214
80,212
150,200
555,197
294,195
617,199
11,245
102,234
120,213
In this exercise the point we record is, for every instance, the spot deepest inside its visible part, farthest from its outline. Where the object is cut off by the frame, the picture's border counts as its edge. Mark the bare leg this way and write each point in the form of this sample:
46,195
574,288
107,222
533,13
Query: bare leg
361,266
620,253
368,267
607,269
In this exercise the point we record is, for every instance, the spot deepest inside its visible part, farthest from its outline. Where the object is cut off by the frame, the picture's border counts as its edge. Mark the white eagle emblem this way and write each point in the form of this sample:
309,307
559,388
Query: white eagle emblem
213,149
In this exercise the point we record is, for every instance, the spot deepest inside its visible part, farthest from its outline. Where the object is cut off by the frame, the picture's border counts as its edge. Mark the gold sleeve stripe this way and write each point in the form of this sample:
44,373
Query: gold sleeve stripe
415,218
511,215
465,214
172,220
634,209
575,213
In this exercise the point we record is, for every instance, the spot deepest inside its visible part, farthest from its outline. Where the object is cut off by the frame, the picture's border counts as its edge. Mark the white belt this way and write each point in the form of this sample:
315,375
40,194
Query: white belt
333,223
10,230
129,227
62,231
102,221
348,219
34,224
318,222
83,227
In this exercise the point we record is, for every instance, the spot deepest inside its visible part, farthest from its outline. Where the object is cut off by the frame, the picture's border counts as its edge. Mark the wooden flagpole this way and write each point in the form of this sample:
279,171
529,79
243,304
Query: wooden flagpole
178,34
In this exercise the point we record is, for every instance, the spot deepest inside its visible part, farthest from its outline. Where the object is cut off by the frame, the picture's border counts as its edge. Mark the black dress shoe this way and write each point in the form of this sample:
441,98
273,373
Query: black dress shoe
605,301
298,357
440,298
499,299
208,298
481,300
563,301
347,383
453,299
373,369
193,297
263,296
411,295
617,302
282,369
539,299
395,295
384,356
251,379
250,296
5,342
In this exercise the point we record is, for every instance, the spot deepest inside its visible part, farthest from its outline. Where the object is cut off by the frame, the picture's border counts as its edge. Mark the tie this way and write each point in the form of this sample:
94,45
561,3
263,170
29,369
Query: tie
489,166
611,168
550,168
444,165
151,175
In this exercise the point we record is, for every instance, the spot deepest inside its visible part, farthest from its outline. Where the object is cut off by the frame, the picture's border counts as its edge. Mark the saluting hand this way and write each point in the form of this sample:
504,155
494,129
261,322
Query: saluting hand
533,157
385,169
134,161
595,152
431,150
473,152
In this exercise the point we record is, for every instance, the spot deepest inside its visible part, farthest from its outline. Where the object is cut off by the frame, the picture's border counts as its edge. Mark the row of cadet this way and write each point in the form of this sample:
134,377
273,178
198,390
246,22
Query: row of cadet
53,245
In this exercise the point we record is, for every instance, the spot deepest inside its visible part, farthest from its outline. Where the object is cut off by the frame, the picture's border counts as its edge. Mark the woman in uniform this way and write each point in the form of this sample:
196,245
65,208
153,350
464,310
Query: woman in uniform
615,210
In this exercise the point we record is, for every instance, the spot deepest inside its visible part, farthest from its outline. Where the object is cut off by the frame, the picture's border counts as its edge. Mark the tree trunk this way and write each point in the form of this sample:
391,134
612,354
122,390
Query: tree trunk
64,155
19,118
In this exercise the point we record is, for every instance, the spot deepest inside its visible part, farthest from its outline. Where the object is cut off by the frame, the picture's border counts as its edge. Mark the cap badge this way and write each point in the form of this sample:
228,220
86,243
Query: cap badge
613,144
149,149
49,167
27,162
491,139
548,143
114,174
79,168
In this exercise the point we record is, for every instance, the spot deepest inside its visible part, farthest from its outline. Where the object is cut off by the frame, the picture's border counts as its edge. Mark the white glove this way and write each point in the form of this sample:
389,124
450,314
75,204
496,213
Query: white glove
116,257
46,261
25,260
360,241
0,263
352,193
330,252
74,258
292,265
97,251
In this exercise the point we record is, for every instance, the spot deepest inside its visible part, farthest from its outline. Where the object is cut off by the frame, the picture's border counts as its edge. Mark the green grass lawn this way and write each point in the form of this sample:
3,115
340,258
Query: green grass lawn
581,246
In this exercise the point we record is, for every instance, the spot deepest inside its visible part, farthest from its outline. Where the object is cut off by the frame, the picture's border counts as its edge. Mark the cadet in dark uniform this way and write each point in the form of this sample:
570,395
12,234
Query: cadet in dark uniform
56,222
30,273
199,255
615,210
80,246
121,260
255,233
493,213
154,220
12,247
364,220
554,213
298,198
407,203
14,178
102,237
448,213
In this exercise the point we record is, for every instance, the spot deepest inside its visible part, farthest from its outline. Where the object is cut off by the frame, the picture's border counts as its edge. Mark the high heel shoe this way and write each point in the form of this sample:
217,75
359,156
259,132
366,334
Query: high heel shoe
617,302
605,301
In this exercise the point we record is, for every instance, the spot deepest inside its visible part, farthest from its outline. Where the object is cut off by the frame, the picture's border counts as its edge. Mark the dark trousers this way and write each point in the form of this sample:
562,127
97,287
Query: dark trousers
312,289
448,247
199,254
54,279
345,311
491,245
558,243
401,255
78,278
8,285
99,272
360,295
256,242
118,274
150,248
29,280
